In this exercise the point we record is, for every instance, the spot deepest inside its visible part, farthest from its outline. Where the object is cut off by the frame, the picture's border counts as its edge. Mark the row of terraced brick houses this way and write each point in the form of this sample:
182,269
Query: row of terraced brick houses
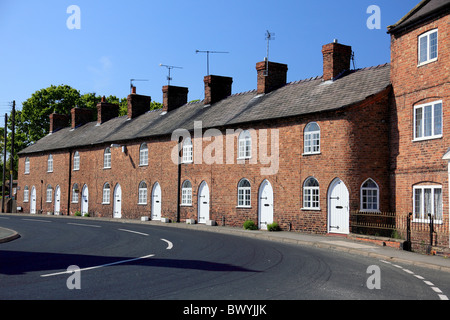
303,154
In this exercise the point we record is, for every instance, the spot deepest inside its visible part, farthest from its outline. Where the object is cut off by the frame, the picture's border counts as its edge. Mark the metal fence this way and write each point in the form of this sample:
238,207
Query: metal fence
416,233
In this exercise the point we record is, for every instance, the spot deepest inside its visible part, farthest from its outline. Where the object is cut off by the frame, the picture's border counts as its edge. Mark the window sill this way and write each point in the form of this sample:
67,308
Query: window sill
311,153
421,64
243,207
106,168
105,203
427,138
427,221
370,211
310,209
142,204
186,205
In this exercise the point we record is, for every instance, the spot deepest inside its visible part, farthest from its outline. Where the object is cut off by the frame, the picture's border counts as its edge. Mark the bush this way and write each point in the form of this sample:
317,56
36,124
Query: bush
273,227
250,225
77,214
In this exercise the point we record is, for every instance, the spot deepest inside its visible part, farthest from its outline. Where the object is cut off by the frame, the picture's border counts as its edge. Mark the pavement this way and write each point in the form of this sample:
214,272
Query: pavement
374,249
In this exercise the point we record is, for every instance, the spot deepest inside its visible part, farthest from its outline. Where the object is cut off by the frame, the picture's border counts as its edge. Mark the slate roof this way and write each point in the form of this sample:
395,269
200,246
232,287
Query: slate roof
426,9
294,99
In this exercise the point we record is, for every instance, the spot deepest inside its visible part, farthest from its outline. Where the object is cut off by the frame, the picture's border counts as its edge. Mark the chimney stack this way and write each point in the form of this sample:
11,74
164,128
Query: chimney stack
216,88
58,121
106,111
137,104
336,59
271,76
174,97
80,116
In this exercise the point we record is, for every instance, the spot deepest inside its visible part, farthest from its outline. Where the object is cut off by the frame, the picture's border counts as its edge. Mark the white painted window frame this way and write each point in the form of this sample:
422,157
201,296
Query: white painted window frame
423,108
427,35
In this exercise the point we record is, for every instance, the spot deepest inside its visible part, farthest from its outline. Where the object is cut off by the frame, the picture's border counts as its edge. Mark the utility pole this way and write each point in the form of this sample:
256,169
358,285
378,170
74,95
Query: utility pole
4,162
12,155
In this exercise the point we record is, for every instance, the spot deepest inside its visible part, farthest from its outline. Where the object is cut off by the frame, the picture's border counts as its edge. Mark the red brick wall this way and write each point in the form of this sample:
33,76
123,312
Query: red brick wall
414,162
348,151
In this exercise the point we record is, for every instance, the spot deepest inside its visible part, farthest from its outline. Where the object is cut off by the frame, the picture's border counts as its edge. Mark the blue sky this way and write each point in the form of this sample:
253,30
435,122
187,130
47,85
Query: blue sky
123,40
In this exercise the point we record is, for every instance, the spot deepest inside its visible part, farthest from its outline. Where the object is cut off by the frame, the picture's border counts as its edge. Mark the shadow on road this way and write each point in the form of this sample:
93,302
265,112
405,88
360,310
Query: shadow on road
20,262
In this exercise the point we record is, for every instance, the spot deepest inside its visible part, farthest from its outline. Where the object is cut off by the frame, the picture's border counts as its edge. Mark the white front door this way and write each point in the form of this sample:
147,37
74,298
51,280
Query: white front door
338,207
265,205
117,202
57,200
203,203
33,201
84,200
156,202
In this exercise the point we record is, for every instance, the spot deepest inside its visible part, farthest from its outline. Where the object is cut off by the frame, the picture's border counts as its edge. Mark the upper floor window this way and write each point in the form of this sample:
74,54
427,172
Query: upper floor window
370,196
76,161
75,193
428,47
26,194
427,200
143,155
107,158
245,145
312,138
187,151
106,193
311,193
186,193
49,193
142,193
428,121
244,193
27,165
50,163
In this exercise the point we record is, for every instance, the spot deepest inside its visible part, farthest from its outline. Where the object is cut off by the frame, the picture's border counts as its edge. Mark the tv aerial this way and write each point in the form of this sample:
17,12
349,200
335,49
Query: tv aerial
132,80
207,57
269,36
169,78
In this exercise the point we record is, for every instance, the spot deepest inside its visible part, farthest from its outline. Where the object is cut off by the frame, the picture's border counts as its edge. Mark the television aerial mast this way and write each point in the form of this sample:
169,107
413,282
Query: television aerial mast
169,68
207,57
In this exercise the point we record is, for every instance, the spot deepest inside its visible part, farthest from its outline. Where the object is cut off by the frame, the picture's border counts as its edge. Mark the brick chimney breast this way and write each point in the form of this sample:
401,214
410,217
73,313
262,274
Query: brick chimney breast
137,104
174,97
106,111
80,116
58,121
217,88
271,76
336,59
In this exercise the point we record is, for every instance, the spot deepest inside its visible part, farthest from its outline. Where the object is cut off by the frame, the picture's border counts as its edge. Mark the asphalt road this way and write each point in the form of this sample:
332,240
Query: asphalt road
135,261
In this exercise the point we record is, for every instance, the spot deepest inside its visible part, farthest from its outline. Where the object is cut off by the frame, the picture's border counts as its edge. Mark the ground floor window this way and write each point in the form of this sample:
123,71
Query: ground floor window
427,200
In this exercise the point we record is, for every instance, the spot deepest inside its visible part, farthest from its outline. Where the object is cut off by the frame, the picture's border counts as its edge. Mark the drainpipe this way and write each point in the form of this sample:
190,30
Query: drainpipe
70,183
179,178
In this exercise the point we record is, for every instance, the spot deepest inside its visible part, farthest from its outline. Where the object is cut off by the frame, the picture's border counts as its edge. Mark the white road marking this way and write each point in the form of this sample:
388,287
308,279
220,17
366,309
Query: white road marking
36,220
170,244
435,289
142,234
97,267
84,225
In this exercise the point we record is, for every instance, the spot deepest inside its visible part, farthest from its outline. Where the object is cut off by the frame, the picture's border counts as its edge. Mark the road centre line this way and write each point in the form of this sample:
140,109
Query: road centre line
142,234
36,220
429,283
84,225
170,244
97,267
